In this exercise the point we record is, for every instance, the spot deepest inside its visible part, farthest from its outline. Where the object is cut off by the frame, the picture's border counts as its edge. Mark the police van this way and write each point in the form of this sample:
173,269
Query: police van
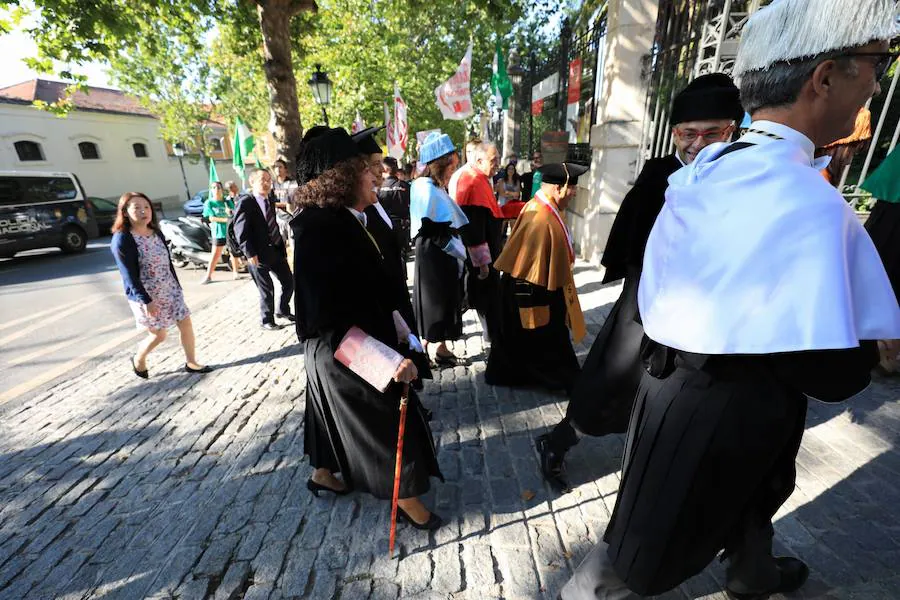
43,210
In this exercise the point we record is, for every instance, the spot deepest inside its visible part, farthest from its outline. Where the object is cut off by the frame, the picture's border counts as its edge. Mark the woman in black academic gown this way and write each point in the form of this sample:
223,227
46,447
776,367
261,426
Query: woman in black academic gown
435,222
351,427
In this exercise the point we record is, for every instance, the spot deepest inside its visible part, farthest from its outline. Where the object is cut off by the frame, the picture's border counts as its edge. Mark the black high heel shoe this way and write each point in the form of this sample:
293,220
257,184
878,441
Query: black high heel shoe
431,524
315,488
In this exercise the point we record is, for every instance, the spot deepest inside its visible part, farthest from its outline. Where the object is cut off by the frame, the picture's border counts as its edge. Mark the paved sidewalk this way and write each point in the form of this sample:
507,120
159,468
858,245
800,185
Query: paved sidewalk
194,487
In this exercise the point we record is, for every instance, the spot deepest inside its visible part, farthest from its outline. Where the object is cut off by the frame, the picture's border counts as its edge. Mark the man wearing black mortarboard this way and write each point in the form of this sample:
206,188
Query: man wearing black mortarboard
706,111
539,302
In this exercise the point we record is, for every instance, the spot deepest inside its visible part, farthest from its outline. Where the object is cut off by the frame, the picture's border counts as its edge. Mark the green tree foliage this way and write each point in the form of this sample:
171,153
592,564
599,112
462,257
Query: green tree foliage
179,56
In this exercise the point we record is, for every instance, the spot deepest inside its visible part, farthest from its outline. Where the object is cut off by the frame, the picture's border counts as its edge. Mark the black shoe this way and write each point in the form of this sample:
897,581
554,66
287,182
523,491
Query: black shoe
431,524
271,326
552,465
205,369
145,374
794,574
287,316
315,488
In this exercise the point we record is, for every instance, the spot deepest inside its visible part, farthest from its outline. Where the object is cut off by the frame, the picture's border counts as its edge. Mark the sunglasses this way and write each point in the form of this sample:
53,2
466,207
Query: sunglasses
883,61
716,134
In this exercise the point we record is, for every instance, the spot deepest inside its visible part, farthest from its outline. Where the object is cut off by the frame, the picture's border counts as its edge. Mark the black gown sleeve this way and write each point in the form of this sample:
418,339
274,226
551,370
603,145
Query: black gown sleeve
635,218
476,232
828,375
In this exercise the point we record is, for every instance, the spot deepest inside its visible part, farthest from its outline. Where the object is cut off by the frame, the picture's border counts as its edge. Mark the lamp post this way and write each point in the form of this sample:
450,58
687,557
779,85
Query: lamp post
178,150
321,90
516,74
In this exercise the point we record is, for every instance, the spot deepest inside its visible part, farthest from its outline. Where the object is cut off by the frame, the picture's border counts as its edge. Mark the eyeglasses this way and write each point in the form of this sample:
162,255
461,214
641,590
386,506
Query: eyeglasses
883,61
716,134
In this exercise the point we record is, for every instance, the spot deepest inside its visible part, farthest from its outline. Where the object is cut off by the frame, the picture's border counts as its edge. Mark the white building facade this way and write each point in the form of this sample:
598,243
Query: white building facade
112,147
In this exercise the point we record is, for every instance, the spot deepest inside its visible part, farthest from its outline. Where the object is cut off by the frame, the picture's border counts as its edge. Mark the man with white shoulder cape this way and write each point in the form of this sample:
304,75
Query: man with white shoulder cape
760,289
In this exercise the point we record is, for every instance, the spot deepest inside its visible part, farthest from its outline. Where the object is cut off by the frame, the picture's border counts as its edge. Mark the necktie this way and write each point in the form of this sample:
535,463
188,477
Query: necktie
274,234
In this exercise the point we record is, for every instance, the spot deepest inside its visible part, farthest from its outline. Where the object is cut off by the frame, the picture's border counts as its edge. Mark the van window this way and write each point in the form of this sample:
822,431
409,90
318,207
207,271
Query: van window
33,190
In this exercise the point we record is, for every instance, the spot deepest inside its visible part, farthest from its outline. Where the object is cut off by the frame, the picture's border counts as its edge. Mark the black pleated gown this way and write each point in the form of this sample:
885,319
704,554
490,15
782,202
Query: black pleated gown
483,294
711,453
350,427
604,392
437,284
541,357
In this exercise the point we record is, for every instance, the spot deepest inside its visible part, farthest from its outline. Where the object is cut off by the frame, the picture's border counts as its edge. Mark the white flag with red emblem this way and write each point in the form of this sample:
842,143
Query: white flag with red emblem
397,127
454,96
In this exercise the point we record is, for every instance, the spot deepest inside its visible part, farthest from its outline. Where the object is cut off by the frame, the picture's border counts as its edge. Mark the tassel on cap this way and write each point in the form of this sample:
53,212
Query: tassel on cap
791,29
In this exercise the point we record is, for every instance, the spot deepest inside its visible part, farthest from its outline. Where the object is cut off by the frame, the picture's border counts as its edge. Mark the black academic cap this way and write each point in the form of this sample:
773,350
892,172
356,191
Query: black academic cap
711,96
562,173
365,139
314,131
322,151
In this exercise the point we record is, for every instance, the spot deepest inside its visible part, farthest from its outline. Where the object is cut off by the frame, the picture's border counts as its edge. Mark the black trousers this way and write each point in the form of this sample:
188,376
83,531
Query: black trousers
262,277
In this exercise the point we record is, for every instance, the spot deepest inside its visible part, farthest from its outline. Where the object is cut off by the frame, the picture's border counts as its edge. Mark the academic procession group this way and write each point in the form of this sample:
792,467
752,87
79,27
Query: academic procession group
750,286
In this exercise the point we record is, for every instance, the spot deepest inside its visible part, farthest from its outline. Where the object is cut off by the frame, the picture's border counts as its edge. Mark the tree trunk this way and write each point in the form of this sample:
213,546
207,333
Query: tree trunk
275,24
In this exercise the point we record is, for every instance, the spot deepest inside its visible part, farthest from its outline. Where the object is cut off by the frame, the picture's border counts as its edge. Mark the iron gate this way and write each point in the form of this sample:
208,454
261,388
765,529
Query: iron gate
695,37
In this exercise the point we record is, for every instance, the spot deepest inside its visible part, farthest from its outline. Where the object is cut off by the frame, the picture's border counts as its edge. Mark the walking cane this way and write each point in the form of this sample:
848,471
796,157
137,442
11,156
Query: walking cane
404,400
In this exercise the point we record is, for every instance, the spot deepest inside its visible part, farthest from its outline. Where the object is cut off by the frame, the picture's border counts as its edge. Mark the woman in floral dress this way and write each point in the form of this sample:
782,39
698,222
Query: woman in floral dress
150,282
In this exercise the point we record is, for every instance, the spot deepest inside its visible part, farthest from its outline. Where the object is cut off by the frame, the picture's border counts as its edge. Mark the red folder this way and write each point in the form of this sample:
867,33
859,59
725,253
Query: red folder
369,358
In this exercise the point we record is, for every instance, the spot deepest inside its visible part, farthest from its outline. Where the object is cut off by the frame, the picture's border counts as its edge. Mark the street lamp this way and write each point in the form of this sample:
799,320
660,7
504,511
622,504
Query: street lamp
178,150
321,90
516,74
515,70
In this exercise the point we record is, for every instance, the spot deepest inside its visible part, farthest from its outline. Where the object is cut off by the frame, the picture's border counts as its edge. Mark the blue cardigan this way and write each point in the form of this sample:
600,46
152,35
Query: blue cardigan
125,251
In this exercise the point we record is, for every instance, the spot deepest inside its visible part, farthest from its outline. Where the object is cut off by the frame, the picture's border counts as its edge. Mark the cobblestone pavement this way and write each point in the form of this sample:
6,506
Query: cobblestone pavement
194,487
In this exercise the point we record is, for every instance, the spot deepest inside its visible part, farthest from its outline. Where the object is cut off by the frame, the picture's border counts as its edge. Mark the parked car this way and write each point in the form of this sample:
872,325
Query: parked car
105,213
43,210
194,206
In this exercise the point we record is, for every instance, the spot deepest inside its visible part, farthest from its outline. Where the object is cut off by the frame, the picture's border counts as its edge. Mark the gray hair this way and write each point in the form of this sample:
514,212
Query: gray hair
482,150
780,84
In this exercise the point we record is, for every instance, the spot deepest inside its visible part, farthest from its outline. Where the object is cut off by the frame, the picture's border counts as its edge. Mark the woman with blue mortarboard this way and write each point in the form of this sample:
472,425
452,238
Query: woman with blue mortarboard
435,223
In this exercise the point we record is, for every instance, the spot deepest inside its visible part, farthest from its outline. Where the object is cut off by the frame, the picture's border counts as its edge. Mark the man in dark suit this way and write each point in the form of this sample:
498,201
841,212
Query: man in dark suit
256,229
393,195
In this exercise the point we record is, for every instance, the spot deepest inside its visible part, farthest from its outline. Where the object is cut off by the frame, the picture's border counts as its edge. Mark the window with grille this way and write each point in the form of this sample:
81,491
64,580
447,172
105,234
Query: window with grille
140,150
89,150
29,150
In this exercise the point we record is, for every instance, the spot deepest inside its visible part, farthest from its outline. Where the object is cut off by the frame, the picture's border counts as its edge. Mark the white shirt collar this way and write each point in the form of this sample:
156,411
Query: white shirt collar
784,132
361,217
680,161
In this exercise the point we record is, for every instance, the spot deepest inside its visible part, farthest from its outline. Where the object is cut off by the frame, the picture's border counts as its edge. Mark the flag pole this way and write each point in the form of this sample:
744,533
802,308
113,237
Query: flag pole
401,432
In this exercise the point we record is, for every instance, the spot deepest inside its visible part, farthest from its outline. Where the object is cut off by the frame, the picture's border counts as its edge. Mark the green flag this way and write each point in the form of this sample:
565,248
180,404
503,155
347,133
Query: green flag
884,182
213,175
243,146
501,86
